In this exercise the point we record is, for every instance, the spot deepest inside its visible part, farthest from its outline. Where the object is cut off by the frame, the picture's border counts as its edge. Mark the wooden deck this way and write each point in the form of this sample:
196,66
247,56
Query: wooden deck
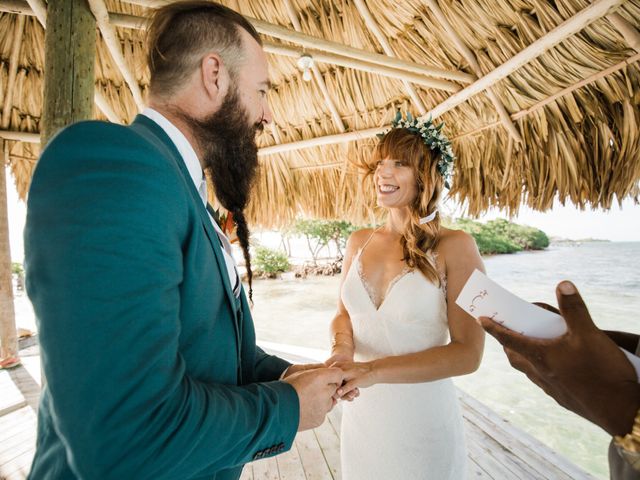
496,449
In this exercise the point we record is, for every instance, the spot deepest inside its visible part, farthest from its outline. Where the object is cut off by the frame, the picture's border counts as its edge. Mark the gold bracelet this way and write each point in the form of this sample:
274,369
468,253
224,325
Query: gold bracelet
629,446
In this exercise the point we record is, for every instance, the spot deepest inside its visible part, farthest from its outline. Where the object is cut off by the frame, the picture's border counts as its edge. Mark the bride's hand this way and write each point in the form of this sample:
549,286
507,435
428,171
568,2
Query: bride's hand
356,375
340,355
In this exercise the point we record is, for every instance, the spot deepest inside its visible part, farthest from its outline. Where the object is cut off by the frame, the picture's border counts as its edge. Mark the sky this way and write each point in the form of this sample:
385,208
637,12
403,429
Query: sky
618,224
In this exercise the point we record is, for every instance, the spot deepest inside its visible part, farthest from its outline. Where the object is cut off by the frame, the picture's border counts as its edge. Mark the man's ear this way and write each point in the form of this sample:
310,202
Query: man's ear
215,77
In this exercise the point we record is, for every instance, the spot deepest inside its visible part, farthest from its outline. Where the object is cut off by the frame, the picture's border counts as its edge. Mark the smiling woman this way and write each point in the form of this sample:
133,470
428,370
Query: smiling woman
398,335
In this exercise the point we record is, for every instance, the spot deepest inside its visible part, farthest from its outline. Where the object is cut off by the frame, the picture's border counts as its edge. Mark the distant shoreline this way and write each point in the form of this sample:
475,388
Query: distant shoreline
568,241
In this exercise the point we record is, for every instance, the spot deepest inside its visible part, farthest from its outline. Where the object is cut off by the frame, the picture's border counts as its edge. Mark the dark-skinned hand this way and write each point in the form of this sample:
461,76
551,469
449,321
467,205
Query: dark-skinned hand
583,370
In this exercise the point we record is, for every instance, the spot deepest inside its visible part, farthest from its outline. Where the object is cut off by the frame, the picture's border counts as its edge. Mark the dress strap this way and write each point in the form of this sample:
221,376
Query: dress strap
369,239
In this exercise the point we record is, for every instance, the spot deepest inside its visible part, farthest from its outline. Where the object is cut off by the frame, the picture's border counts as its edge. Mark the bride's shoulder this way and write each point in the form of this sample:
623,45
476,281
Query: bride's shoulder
359,237
456,242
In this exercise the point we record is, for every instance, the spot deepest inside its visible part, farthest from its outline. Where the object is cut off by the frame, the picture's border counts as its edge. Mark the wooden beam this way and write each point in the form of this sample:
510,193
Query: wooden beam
155,3
319,56
571,26
23,8
69,85
8,330
130,21
473,63
628,31
40,10
374,28
372,132
317,43
320,141
124,20
20,136
337,120
139,23
110,37
103,105
14,60
596,76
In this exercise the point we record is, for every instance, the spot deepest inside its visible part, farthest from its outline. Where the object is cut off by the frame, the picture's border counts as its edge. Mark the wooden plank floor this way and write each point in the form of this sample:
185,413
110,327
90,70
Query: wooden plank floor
496,449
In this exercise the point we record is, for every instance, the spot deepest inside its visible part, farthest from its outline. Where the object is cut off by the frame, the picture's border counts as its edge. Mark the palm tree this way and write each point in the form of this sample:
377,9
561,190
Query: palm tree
8,335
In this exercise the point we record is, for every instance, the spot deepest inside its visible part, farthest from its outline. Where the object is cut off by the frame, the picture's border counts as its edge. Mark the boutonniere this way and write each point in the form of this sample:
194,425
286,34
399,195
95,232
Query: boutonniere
224,219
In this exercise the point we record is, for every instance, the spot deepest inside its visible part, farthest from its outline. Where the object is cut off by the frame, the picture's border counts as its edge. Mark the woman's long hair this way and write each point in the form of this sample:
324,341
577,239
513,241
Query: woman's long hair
418,241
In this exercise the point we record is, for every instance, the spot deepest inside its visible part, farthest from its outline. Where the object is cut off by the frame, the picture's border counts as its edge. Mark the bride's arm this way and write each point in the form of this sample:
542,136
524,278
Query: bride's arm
340,330
461,356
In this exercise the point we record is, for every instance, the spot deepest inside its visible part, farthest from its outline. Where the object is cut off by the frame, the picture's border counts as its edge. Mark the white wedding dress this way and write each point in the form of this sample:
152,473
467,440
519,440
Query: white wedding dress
400,431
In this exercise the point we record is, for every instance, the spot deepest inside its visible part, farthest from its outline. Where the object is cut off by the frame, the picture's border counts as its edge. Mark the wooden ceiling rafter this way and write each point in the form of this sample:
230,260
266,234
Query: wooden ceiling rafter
468,55
374,28
111,40
317,75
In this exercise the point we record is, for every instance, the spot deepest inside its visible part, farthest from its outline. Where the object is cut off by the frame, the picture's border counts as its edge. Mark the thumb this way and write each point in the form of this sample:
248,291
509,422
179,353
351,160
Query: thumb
572,307
333,375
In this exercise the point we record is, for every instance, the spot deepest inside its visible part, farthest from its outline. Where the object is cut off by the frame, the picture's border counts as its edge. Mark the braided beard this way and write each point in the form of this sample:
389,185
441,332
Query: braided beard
230,154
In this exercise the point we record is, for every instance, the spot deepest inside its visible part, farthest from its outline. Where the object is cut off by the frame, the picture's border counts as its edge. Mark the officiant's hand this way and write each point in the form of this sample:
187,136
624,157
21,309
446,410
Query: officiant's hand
583,370
625,340
316,390
356,375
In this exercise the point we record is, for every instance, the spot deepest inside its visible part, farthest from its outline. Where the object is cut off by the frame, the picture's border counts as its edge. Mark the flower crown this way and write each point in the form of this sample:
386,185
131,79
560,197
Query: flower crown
432,137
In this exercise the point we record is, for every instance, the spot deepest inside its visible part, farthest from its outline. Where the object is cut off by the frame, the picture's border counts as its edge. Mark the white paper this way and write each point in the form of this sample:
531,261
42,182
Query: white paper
482,297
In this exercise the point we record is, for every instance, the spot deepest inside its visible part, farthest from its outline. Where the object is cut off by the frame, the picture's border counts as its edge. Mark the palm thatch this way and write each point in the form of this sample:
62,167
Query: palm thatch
570,118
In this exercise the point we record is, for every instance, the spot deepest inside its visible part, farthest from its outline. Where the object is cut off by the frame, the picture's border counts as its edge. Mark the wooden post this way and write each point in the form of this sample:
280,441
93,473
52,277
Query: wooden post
8,335
70,46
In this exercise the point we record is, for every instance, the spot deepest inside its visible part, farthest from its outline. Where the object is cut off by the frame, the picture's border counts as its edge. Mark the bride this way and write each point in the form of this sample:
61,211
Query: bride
398,334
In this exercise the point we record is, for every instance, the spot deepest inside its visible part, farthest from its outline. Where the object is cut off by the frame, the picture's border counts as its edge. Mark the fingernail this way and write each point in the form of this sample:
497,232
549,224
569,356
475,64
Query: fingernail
340,392
567,288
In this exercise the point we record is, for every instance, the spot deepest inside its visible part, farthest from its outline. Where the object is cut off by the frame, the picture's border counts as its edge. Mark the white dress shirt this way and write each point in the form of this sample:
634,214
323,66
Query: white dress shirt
192,163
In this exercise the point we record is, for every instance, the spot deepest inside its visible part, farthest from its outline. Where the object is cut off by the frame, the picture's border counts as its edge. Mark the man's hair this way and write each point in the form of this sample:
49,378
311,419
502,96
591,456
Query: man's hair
180,34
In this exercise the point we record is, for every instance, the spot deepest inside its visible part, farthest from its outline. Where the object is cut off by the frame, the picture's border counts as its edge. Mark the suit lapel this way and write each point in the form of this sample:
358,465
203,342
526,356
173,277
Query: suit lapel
156,135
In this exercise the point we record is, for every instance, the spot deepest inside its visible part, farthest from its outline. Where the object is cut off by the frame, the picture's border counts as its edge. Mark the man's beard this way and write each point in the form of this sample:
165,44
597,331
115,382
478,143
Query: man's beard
229,151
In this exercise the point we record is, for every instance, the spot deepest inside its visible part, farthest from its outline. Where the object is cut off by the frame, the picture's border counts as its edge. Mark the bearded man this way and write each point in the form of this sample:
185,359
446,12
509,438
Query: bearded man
147,341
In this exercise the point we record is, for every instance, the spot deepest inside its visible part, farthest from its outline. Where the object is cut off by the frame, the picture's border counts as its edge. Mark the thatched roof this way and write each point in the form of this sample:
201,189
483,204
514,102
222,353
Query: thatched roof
569,96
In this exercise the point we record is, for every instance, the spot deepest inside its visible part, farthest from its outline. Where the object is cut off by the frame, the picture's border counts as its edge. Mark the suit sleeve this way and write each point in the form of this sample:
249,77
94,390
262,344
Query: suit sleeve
104,236
268,367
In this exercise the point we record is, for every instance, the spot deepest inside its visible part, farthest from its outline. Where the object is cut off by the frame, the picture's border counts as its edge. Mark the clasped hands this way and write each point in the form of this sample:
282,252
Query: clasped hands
355,375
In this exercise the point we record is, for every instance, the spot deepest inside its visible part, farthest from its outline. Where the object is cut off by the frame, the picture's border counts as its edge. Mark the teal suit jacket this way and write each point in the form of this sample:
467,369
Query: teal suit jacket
151,364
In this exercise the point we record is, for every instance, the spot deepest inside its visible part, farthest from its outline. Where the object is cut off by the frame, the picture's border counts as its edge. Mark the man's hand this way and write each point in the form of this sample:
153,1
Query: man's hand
583,370
316,390
341,355
356,375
